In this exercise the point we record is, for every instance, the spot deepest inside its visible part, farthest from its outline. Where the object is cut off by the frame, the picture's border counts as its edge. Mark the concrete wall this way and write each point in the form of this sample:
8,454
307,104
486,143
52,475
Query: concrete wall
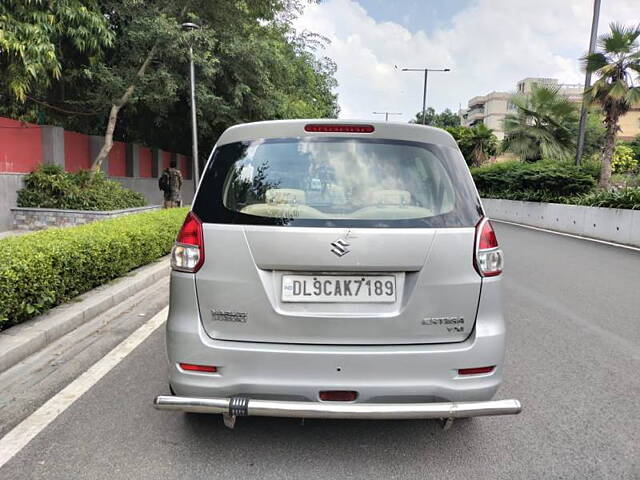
149,188
611,224
10,183
41,218
24,146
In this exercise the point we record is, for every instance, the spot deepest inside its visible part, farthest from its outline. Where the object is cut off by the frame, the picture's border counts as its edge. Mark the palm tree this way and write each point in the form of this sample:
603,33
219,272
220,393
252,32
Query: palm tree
615,65
482,143
541,125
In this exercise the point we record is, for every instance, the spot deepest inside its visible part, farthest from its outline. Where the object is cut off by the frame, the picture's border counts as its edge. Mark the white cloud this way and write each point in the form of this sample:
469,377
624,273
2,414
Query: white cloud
489,46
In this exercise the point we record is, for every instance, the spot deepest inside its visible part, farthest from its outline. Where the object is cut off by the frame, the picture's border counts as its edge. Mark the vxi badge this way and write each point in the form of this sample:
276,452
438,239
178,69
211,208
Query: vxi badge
228,316
453,324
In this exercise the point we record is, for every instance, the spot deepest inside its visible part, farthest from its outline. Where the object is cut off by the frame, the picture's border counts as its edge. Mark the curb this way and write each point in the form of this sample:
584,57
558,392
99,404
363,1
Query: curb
24,339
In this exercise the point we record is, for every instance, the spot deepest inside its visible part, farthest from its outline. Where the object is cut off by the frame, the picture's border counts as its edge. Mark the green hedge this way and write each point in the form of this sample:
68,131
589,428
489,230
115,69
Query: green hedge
541,181
51,187
41,270
627,198
554,182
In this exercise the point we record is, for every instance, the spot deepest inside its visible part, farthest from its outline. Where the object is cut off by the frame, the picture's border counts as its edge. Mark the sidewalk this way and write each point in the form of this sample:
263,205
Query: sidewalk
24,339
13,233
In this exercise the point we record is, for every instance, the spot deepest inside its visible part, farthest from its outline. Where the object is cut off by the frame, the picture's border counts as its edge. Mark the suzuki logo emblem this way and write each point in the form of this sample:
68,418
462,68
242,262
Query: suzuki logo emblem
340,247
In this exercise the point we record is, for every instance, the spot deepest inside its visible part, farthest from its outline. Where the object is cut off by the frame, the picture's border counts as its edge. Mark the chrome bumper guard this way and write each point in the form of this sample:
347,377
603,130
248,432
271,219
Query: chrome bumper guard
234,407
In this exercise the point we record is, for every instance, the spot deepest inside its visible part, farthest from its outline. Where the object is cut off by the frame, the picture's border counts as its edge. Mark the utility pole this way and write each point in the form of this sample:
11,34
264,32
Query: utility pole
194,125
386,114
424,91
587,83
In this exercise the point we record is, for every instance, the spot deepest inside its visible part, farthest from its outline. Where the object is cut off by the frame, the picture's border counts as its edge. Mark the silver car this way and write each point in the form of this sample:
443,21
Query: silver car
330,269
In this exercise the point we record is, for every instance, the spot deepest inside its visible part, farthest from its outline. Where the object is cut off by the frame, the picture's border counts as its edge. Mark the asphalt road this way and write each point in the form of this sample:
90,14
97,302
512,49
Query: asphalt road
573,310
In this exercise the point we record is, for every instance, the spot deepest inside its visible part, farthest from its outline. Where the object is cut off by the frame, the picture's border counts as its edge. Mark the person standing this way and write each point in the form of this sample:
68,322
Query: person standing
170,182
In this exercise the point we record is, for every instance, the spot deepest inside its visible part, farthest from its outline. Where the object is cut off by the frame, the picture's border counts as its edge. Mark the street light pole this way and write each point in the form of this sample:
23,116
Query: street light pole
194,124
424,97
424,92
587,82
386,114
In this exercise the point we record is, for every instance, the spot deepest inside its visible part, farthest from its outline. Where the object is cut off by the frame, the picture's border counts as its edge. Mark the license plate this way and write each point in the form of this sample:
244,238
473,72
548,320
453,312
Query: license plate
339,288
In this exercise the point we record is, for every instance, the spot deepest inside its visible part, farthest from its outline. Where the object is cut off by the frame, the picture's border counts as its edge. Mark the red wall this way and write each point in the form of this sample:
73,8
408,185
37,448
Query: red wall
21,151
118,160
77,152
20,146
184,163
145,158
166,159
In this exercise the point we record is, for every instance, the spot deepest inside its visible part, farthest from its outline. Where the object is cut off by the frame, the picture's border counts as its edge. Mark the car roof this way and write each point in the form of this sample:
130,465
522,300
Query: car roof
295,128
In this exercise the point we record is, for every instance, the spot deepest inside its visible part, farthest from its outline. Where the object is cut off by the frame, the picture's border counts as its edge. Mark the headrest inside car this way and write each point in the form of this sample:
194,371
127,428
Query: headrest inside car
285,196
389,197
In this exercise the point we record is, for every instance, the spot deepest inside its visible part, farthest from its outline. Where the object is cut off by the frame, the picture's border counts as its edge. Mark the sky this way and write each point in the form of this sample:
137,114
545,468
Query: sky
488,44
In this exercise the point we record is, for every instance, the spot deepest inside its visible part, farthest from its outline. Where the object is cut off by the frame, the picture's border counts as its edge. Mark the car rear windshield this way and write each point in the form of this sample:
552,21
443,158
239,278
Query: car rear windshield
337,182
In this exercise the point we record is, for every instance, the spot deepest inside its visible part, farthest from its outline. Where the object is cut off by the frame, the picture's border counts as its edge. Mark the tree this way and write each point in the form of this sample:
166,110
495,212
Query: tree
477,143
250,65
541,126
617,66
36,35
594,134
483,144
441,120
149,32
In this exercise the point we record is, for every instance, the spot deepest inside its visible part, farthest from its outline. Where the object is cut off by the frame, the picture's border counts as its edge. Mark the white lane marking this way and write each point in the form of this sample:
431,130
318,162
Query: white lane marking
24,432
628,247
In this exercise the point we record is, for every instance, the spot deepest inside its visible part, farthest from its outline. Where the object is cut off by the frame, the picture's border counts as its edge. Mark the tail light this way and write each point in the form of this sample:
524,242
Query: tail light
488,256
187,254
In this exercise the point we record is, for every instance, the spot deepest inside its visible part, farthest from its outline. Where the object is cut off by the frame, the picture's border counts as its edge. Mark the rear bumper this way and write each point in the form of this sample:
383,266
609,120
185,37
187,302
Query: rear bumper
242,406
380,374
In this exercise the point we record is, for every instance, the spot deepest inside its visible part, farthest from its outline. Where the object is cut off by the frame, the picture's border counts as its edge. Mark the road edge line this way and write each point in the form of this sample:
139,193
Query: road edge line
564,234
20,436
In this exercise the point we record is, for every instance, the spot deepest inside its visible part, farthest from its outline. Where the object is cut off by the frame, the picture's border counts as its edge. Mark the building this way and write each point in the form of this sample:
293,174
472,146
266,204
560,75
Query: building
573,91
489,109
492,108
630,124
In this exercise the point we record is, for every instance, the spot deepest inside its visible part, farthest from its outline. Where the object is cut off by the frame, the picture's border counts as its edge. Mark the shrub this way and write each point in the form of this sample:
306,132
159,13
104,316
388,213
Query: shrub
623,159
476,143
591,165
625,198
542,181
41,270
51,187
635,146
